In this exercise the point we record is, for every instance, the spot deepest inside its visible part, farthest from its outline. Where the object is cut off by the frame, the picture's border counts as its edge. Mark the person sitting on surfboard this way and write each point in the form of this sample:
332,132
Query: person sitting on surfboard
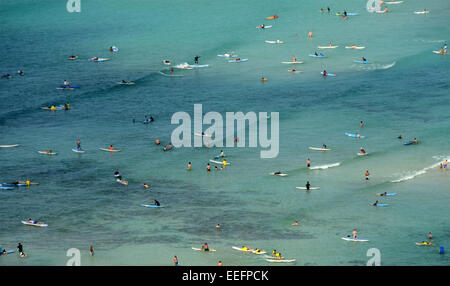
277,173
315,53
324,146
362,151
308,185
111,147
294,59
324,73
205,247
117,175
355,234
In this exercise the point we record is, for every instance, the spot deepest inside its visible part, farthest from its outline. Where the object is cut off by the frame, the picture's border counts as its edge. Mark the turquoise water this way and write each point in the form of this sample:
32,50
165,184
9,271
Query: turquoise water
404,91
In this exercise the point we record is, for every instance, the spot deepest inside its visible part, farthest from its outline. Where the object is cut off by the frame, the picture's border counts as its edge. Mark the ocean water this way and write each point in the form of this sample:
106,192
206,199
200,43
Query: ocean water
405,90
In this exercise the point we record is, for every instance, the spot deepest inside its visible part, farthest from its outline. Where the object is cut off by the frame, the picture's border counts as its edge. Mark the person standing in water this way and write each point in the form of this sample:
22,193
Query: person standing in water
361,124
367,175
308,163
310,34
220,263
308,185
91,250
189,166
175,260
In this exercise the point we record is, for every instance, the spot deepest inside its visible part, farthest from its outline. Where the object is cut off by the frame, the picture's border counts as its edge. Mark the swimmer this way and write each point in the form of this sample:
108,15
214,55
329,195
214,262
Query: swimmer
382,194
157,142
295,223
146,186
310,34
189,166
361,124
430,236
308,163
208,167
367,175
400,137
220,263
218,226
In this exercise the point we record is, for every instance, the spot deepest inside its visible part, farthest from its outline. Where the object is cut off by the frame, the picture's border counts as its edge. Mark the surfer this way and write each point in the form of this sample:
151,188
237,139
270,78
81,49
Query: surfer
310,34
363,59
168,147
208,167
117,175
361,124
308,163
78,144
196,59
224,162
324,146
294,59
205,247
20,72
111,147
400,137
146,186
382,194
367,175
218,226
157,142
324,71
157,203
189,166
20,248
375,203
328,9
308,185
430,236
66,106
72,57
355,234
362,150
276,173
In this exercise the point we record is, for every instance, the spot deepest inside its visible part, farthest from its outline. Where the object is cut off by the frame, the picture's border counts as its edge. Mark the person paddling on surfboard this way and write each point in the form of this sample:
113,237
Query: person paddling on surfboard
375,203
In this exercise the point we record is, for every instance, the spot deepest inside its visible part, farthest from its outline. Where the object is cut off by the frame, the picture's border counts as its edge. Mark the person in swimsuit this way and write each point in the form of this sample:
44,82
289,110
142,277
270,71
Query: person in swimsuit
362,150
375,203
308,163
355,234
205,247
189,166
157,203
175,260
157,142
367,175
308,185
208,167
145,185
91,250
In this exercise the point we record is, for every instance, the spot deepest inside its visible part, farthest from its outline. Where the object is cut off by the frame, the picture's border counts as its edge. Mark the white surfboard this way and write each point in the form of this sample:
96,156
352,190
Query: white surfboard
199,249
107,150
47,152
9,146
319,149
327,47
311,188
355,47
292,63
355,240
281,175
280,260
218,162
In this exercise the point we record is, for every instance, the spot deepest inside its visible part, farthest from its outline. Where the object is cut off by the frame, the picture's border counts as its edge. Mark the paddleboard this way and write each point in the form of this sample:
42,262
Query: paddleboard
388,194
327,47
199,249
353,135
34,224
99,59
6,188
361,62
281,175
9,146
114,150
238,61
348,14
46,153
318,56
380,205
218,162
311,188
151,206
328,74
319,149
292,63
166,62
355,240
393,2
49,108
78,151
227,56
13,185
354,47
280,260
240,249
439,53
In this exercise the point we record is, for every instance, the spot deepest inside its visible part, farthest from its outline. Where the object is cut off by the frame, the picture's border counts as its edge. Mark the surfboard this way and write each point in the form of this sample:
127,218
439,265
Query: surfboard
274,42
388,194
294,71
126,83
318,56
25,183
227,56
151,206
99,59
319,149
218,162
240,249
281,175
78,151
311,188
199,249
6,188
9,146
393,2
237,61
292,63
107,150
422,12
354,47
47,152
34,224
328,74
361,61
353,135
265,27
355,240
327,47
361,154
280,260
421,244
380,205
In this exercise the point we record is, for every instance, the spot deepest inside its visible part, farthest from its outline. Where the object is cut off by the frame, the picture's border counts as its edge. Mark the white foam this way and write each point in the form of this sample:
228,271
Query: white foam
413,174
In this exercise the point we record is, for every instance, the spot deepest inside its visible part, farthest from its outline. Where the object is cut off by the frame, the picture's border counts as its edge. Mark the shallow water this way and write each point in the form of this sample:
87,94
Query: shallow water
404,91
